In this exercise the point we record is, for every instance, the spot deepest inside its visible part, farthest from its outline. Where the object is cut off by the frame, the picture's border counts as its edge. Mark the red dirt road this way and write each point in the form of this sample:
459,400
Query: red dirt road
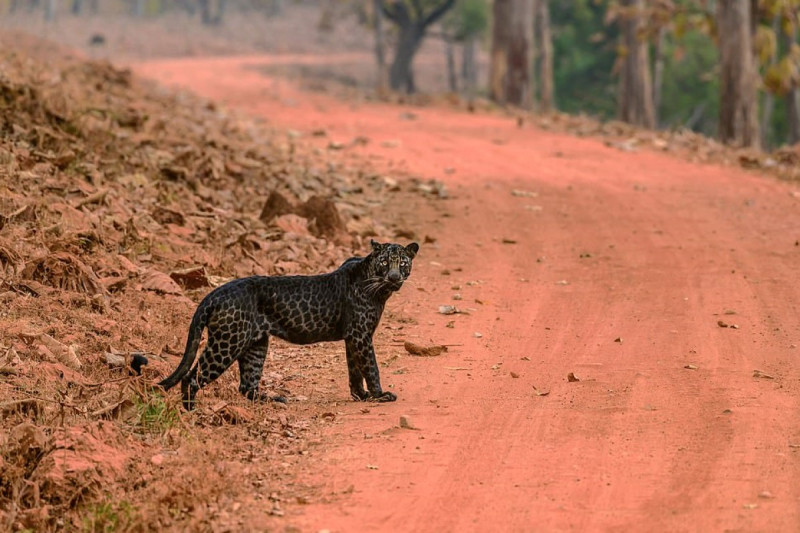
621,268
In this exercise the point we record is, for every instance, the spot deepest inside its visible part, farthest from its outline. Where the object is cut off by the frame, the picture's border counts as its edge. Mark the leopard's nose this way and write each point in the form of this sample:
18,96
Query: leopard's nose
394,276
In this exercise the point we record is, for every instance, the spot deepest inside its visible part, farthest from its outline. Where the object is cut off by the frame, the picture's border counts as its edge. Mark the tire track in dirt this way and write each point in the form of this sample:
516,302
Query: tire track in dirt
654,251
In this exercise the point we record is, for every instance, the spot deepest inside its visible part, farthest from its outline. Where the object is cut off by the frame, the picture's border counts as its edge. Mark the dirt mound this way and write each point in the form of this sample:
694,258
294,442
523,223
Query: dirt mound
120,206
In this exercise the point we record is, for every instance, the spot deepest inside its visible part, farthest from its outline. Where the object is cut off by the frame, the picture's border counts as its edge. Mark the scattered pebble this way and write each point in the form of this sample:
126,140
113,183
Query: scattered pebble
514,375
571,377
690,367
760,374
477,334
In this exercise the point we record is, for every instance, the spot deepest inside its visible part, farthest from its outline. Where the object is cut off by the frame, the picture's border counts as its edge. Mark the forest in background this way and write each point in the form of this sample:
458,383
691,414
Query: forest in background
665,64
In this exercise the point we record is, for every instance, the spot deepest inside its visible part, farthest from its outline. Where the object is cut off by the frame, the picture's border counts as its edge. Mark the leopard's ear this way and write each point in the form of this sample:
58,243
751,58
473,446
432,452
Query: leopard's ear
376,246
412,249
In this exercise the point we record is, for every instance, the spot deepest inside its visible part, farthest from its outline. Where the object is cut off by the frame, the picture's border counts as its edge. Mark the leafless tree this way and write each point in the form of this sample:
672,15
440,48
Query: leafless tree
738,122
412,18
510,75
635,104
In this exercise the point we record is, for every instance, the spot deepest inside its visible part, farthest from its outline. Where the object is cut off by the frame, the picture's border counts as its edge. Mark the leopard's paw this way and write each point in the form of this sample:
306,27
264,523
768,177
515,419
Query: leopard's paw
383,397
359,395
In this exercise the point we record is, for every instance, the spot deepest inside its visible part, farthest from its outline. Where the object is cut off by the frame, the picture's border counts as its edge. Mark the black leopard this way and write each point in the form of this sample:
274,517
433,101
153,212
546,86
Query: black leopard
345,304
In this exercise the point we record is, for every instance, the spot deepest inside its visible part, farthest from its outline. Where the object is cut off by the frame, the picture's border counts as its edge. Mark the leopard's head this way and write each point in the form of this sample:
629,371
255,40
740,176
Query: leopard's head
390,264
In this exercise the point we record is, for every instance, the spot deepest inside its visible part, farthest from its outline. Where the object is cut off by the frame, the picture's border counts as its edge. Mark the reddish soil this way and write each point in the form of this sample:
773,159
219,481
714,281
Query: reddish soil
621,268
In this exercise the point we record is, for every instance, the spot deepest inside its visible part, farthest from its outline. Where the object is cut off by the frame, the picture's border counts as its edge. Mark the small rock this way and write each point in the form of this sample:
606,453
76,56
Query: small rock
477,334
690,367
514,375
157,459
115,360
405,422
765,494
424,351
571,377
760,374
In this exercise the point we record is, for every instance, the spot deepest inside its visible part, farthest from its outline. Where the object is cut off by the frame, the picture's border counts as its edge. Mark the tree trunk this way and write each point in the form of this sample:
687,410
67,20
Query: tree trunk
138,8
77,7
209,17
546,101
510,78
738,121
50,10
412,21
469,71
769,97
380,48
792,104
400,75
635,89
658,73
450,56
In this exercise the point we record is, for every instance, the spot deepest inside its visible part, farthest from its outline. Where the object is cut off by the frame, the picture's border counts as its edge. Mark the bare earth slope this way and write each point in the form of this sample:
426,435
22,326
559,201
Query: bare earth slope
668,289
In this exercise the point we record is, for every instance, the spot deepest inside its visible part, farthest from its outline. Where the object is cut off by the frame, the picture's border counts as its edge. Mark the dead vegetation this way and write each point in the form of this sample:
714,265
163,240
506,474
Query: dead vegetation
120,206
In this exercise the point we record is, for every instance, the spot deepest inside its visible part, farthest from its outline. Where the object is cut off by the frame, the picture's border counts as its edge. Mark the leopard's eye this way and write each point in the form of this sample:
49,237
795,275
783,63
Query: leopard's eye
384,262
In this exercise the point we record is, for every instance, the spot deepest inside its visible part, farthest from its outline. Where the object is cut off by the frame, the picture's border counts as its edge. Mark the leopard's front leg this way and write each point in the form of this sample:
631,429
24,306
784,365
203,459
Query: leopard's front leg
354,371
365,356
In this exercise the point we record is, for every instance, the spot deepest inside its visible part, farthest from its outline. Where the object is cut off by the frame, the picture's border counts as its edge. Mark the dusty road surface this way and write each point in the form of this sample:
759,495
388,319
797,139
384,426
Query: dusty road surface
669,289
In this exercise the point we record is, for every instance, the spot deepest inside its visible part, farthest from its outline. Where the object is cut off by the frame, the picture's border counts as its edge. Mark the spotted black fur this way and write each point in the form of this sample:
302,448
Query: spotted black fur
345,304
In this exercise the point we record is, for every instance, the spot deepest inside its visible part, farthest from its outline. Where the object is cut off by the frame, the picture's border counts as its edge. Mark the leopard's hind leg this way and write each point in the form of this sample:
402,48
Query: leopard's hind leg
222,350
251,366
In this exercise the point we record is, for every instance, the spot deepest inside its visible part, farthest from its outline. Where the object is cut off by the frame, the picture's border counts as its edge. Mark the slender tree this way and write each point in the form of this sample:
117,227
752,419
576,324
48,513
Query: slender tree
768,104
658,72
635,88
380,44
738,121
50,10
412,18
510,75
465,24
545,47
792,52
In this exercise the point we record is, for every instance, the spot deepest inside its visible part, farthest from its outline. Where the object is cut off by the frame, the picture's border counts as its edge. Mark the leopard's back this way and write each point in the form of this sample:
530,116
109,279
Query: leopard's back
298,309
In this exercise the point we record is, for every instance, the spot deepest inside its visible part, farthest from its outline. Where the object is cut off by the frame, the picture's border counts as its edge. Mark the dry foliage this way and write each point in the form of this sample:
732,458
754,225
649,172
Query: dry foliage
120,206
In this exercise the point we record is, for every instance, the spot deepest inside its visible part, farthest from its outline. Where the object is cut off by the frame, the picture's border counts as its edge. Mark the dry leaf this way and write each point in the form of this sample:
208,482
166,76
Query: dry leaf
191,278
153,280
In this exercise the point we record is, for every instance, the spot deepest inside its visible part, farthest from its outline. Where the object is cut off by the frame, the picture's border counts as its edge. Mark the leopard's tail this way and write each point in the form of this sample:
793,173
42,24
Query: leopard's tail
199,321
